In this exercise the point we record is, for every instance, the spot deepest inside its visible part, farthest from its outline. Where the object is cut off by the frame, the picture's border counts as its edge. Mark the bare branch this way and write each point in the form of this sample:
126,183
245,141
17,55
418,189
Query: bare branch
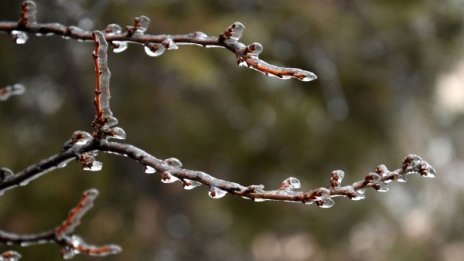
154,45
62,235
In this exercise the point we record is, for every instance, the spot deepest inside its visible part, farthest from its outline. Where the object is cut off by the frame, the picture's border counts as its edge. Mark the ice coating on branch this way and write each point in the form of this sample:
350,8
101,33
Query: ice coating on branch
190,184
290,183
81,138
353,194
415,164
382,187
233,32
10,90
76,245
216,193
19,37
28,13
154,50
167,177
199,35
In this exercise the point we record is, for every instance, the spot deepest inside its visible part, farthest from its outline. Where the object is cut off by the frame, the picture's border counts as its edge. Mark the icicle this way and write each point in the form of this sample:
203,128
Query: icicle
216,193
174,162
190,184
149,169
154,50
19,37
167,177
290,183
169,44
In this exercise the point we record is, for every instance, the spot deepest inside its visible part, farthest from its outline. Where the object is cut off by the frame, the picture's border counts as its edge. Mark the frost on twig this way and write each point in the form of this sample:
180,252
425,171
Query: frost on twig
10,90
63,235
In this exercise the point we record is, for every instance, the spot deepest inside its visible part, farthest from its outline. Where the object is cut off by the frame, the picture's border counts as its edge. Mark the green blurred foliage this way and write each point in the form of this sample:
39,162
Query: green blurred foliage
379,65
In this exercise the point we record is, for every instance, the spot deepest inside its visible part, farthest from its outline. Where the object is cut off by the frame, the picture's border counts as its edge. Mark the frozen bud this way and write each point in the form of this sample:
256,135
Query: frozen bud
336,178
169,44
215,192
10,256
19,37
254,49
381,187
190,184
173,162
112,29
119,46
323,199
28,13
354,194
167,177
81,138
411,163
322,193
117,133
373,177
382,170
89,163
154,50
140,25
290,183
426,170
325,203
234,31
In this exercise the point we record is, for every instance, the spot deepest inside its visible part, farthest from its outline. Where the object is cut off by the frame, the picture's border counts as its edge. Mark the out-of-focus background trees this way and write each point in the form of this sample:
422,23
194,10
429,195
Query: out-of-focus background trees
391,82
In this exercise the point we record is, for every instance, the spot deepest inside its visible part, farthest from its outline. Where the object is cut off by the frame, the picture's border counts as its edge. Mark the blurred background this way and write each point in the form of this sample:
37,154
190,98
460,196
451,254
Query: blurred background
391,83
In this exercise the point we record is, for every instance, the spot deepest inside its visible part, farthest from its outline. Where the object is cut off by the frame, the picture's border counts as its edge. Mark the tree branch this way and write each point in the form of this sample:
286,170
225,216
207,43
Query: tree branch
10,90
63,235
154,45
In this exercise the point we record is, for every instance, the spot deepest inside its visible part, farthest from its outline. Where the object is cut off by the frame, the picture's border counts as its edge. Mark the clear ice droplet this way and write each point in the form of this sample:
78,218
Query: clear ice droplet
154,50
112,29
291,183
326,203
236,30
170,44
200,35
216,193
167,177
19,36
118,133
304,76
149,169
254,49
191,184
94,166
119,46
174,162
141,24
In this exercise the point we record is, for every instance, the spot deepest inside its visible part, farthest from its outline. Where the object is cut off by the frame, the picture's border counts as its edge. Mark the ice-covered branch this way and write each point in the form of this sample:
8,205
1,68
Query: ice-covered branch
10,90
154,45
63,235
10,256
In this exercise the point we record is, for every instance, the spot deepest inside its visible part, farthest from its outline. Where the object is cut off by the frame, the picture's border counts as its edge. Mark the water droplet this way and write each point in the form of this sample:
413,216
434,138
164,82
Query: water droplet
216,193
291,183
190,184
113,29
149,169
117,133
119,46
154,50
169,44
325,203
173,162
382,187
336,178
167,177
19,37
